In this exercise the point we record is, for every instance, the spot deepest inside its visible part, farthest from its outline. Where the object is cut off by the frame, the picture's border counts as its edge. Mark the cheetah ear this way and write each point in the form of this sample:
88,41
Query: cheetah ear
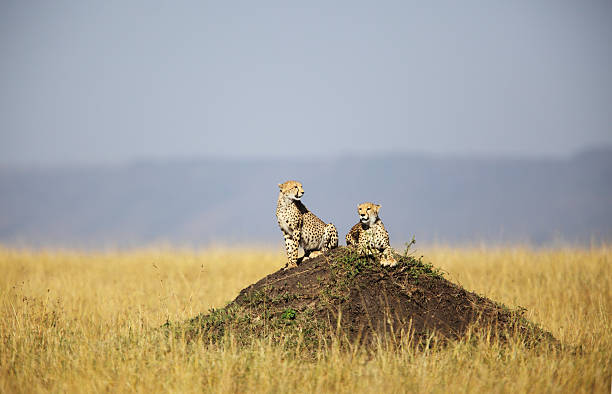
377,207
280,185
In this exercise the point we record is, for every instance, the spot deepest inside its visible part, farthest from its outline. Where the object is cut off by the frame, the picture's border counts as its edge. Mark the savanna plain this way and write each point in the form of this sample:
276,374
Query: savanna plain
90,321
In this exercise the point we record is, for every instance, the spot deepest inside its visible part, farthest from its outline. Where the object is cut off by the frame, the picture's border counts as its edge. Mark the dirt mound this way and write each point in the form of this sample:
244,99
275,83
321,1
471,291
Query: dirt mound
354,298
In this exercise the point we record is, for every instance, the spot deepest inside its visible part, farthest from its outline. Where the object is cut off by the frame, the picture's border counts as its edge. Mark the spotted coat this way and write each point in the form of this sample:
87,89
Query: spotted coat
370,236
301,227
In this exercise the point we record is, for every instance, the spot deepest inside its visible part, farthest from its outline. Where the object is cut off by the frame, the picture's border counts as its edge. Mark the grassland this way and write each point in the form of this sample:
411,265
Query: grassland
88,322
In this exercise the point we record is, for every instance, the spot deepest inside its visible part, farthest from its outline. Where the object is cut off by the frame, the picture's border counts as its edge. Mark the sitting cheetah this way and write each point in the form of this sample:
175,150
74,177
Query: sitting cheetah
301,227
370,235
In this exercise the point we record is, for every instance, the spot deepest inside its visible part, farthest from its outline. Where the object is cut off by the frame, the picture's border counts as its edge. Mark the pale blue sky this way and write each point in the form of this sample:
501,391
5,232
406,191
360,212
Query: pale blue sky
114,81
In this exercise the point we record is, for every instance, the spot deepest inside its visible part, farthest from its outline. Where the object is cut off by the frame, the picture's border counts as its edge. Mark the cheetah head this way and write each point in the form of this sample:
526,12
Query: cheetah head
292,190
368,212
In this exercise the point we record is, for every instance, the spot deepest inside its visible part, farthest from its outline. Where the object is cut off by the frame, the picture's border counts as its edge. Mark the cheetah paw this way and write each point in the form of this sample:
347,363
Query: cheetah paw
388,262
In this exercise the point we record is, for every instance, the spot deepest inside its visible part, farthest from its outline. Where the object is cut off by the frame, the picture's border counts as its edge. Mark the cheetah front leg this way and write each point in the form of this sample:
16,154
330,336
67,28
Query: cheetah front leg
291,245
387,258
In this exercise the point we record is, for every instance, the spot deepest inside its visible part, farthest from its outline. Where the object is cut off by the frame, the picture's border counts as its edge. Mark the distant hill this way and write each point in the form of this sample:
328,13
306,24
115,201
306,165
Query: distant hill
196,202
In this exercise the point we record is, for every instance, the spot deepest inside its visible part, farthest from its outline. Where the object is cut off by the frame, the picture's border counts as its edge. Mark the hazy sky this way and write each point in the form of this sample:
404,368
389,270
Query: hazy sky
108,81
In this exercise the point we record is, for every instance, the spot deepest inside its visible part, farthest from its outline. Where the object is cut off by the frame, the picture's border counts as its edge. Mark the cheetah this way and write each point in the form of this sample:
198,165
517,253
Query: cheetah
370,235
301,227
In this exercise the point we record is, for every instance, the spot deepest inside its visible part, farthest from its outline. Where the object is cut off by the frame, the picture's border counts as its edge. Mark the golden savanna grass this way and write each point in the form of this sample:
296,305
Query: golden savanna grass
88,322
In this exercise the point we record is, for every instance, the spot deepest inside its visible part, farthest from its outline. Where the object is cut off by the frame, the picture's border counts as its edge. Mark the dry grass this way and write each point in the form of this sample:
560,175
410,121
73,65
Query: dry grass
87,322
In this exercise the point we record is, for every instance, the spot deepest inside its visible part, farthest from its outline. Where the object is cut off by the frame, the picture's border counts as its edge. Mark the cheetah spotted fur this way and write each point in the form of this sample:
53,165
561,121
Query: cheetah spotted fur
301,227
370,235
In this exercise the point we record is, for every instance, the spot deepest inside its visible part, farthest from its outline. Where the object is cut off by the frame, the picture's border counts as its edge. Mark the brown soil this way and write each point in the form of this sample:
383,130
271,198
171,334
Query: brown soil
356,299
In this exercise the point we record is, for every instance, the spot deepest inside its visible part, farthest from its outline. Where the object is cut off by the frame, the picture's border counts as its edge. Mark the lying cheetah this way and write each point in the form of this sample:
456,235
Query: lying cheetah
370,235
301,227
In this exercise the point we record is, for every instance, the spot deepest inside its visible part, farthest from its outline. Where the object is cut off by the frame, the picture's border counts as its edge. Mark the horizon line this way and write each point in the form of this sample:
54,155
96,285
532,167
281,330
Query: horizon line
380,154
